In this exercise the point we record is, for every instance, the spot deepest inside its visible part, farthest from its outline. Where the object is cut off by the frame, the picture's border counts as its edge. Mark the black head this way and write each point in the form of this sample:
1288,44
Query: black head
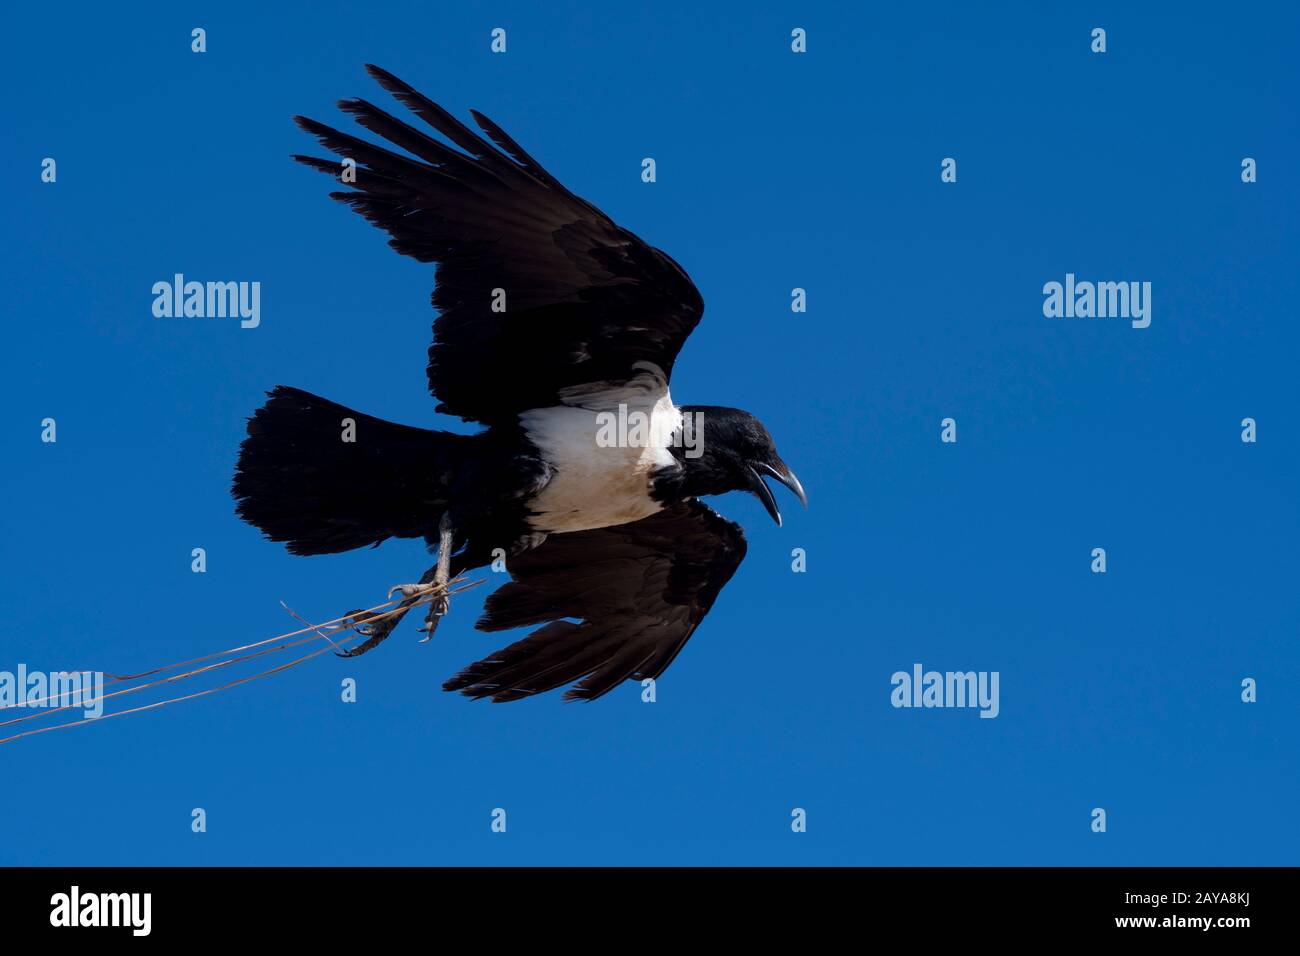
726,449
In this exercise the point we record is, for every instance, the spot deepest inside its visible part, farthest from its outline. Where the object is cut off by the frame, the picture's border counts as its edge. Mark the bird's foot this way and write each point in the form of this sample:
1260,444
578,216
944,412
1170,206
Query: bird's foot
374,631
438,607
433,586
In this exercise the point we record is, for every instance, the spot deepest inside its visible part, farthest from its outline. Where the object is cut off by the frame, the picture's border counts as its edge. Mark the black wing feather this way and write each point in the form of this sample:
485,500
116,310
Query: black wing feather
585,299
615,603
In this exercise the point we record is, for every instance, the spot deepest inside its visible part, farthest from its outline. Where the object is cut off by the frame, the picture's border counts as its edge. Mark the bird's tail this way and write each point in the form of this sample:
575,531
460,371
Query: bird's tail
323,478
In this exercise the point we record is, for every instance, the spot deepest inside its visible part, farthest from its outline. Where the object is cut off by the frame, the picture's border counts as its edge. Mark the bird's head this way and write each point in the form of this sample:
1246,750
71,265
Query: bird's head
727,449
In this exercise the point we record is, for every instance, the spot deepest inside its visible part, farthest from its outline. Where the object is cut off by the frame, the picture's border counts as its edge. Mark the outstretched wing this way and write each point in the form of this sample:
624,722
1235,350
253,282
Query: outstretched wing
583,298
636,592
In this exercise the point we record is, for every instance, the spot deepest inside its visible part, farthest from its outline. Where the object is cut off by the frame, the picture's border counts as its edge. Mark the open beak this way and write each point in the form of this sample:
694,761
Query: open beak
782,474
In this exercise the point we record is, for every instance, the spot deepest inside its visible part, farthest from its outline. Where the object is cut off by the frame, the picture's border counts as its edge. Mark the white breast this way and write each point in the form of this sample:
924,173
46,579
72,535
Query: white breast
602,454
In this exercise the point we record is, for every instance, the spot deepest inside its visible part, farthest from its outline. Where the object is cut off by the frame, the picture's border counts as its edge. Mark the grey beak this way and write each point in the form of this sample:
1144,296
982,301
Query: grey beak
759,487
787,478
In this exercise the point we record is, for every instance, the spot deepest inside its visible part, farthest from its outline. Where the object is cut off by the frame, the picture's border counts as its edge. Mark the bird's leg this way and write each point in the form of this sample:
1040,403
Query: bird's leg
441,574
433,580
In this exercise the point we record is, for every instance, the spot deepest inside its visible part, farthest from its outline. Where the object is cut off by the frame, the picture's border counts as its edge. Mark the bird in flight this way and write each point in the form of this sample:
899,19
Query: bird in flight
557,330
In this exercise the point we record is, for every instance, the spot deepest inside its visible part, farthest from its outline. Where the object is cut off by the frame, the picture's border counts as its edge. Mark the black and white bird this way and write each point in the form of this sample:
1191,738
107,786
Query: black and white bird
553,322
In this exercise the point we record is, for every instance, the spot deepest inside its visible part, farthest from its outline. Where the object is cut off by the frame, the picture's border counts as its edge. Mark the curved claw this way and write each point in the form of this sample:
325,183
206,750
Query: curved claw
437,609
347,619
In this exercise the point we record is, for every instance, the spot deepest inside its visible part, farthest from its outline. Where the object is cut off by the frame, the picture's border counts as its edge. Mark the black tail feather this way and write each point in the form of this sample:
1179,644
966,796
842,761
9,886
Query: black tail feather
301,482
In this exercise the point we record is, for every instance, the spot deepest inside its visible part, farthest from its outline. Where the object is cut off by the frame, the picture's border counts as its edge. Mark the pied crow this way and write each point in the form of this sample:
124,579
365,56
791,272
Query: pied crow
552,323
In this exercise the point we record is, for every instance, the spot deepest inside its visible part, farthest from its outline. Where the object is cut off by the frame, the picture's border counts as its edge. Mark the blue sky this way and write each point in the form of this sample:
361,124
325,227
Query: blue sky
775,170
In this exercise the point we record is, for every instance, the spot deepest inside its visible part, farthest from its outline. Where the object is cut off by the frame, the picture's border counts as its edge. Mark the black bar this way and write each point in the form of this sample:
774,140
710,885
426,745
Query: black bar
549,905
